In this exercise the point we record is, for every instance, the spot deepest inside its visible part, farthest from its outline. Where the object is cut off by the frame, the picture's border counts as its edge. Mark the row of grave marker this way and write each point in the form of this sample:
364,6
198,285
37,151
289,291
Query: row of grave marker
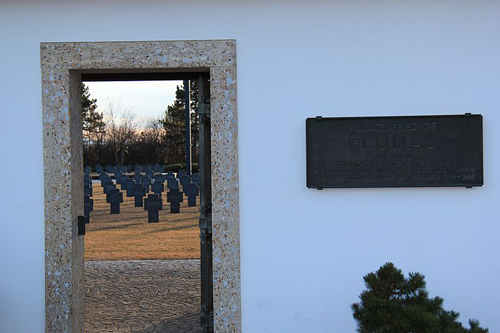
138,187
138,168
126,169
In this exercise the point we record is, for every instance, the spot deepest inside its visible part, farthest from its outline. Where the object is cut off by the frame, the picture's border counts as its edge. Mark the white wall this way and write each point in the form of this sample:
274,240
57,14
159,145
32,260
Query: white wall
304,252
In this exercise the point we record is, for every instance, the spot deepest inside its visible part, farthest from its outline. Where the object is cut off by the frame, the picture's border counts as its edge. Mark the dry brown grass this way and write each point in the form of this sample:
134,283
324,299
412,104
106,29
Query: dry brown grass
129,236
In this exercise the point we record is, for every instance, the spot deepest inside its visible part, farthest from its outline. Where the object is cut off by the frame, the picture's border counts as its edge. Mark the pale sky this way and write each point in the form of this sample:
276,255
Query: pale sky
148,99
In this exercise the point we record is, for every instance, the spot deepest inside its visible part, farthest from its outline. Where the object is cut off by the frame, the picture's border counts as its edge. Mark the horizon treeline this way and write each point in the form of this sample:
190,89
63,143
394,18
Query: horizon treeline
119,136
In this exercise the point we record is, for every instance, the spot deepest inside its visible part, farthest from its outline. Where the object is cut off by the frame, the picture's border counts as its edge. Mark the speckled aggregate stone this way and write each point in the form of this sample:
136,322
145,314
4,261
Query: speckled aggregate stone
62,65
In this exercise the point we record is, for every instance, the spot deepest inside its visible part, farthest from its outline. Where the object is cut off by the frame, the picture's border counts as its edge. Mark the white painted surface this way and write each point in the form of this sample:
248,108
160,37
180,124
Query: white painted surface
303,252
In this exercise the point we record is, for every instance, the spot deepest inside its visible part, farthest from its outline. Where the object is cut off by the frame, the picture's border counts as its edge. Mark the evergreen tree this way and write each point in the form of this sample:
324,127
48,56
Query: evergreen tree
94,127
394,304
174,125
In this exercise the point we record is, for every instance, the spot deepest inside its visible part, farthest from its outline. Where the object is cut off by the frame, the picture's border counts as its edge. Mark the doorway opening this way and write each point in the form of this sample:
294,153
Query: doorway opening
144,192
64,65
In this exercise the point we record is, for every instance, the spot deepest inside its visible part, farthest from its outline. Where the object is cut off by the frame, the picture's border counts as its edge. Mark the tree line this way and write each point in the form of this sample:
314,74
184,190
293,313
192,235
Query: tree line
119,136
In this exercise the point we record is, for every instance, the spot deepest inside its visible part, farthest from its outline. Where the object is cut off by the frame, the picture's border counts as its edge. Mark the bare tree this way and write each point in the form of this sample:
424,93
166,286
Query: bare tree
153,141
123,130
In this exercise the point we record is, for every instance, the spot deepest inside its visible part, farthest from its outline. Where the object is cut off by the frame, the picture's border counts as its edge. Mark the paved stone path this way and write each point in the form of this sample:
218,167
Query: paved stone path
142,296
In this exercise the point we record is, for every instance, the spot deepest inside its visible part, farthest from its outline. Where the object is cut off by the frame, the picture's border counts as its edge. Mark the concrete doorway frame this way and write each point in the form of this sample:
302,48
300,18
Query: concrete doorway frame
62,65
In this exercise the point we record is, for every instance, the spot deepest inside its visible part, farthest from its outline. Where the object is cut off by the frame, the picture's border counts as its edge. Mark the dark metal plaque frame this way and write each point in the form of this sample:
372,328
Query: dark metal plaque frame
406,151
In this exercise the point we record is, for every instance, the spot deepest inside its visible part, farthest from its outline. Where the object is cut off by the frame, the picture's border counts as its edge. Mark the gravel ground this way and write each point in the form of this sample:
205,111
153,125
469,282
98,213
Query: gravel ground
142,296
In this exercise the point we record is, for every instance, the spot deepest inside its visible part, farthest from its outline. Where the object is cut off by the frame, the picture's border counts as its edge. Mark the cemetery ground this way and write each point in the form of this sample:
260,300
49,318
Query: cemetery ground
140,276
129,236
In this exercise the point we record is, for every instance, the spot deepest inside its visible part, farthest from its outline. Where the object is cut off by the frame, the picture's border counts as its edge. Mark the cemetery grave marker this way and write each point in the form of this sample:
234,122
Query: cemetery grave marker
173,184
146,182
158,187
195,178
139,194
146,202
87,190
191,190
114,198
108,185
88,206
174,197
184,179
159,176
87,181
153,205
130,187
117,177
123,182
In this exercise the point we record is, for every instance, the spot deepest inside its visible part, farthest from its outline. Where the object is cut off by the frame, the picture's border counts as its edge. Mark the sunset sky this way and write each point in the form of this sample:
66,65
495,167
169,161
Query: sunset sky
148,99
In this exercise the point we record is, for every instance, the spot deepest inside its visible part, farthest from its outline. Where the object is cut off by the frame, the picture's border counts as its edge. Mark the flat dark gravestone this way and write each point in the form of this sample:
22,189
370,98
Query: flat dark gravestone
191,190
158,187
114,198
88,206
154,205
407,151
139,194
130,188
172,184
175,198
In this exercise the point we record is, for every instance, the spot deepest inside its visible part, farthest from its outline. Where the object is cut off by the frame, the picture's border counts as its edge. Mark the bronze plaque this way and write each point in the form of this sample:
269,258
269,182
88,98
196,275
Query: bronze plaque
395,151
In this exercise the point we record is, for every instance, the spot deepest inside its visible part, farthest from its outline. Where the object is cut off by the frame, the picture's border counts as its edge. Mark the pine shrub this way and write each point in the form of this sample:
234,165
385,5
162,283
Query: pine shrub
395,304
